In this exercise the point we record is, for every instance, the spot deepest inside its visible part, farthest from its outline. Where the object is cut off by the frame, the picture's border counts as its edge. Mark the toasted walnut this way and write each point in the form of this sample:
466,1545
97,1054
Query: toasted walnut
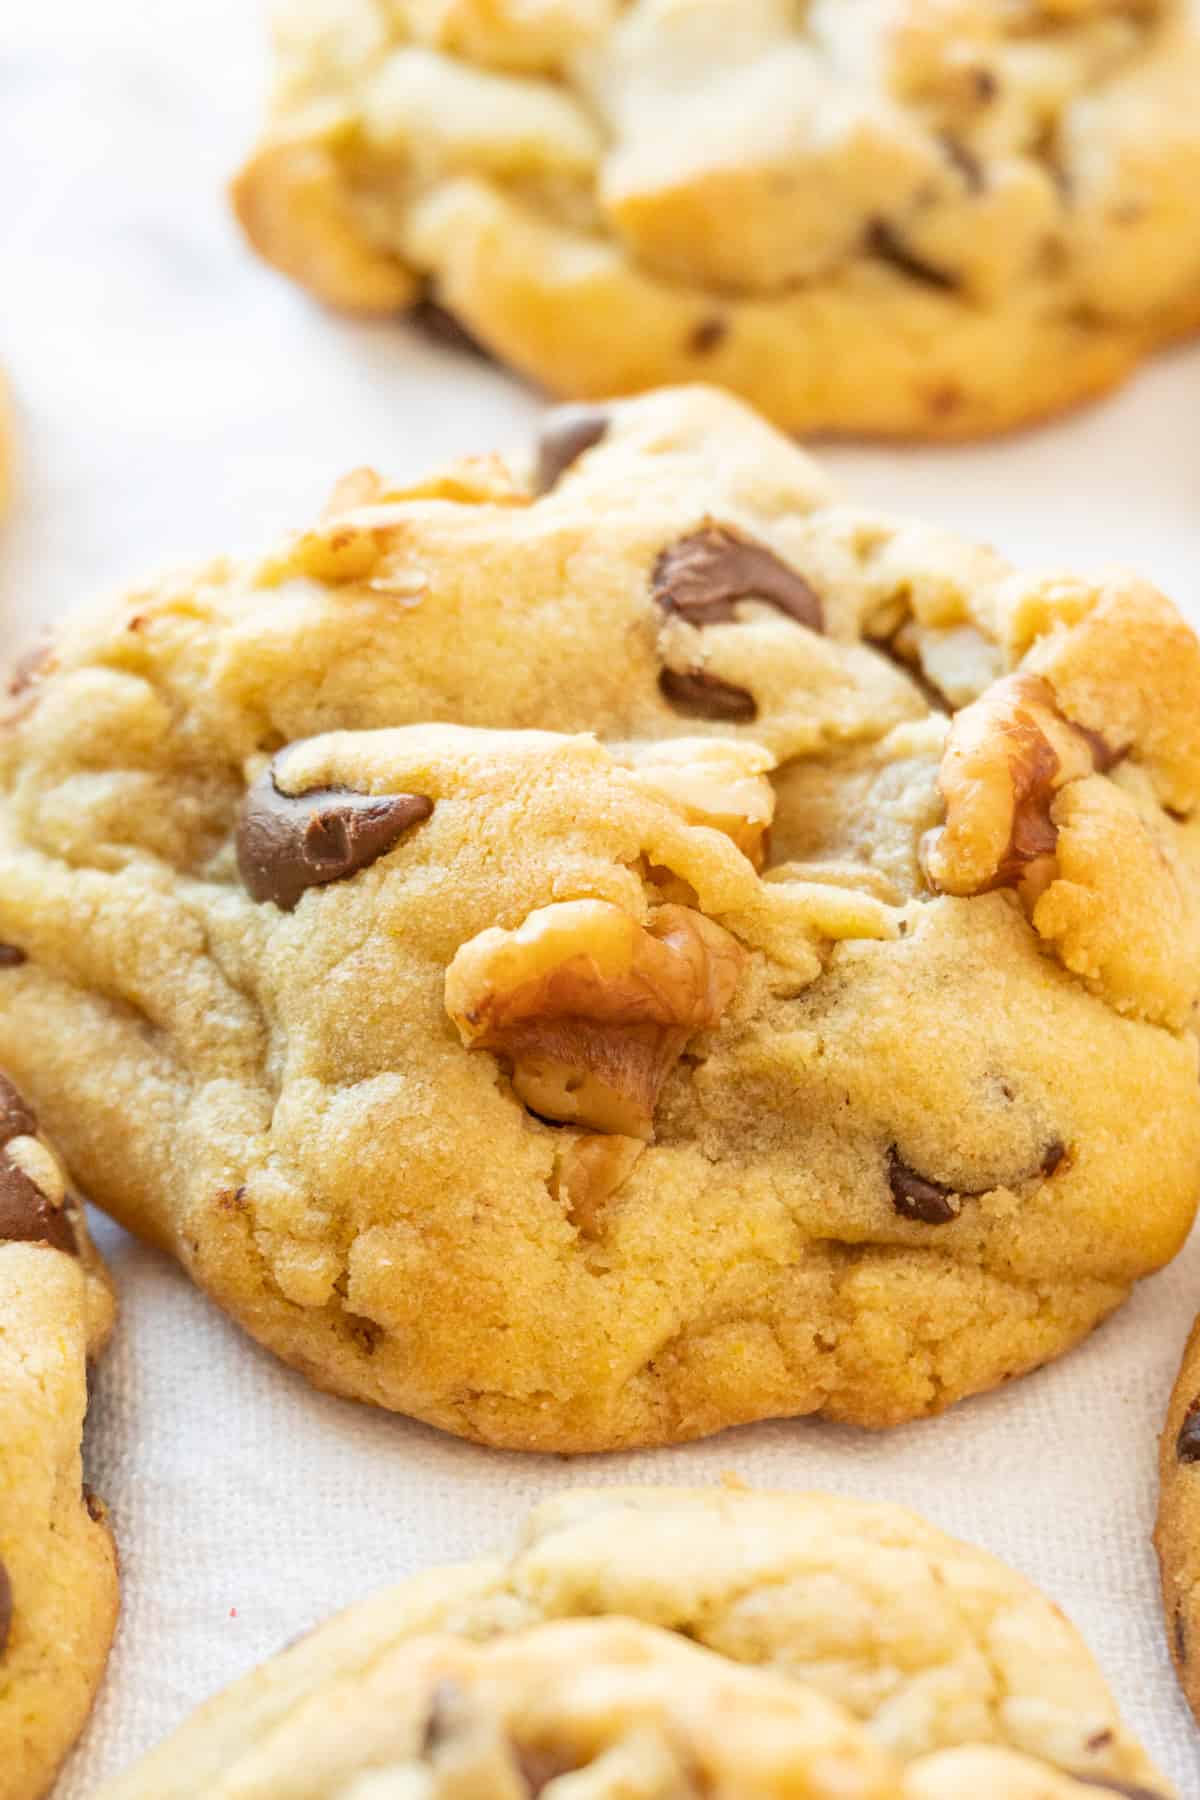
716,782
1006,758
469,481
591,1008
588,1171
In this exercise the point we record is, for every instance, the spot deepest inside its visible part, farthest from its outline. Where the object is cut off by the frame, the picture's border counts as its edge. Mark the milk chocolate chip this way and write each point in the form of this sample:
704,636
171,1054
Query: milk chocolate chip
566,433
16,1118
707,696
26,1216
1052,1156
885,242
11,956
703,576
916,1197
289,842
1187,1444
6,1607
442,327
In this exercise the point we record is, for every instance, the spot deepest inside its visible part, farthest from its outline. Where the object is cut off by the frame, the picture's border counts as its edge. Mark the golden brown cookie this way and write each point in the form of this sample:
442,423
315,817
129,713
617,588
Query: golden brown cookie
58,1570
919,218
840,1651
1177,1535
803,1046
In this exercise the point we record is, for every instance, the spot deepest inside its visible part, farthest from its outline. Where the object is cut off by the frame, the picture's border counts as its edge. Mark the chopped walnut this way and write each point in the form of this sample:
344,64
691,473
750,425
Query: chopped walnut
588,1171
469,481
591,1008
716,782
1006,758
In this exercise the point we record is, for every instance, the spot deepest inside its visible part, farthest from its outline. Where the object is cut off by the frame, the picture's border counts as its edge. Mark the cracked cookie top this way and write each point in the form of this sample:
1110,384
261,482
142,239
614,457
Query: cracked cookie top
924,217
712,1064
836,1650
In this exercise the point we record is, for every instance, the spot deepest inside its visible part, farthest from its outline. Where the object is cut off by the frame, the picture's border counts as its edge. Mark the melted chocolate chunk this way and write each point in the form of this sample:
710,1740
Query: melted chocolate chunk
883,241
703,576
16,1118
6,1607
442,327
707,336
916,1197
27,1217
289,842
1187,1444
707,696
566,433
1181,1635
967,164
1103,754
11,956
445,1710
1052,1156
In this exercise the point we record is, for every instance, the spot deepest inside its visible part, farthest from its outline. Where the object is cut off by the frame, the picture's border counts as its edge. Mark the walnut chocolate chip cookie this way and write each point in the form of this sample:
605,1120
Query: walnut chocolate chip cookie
838,1651
792,1027
58,1570
1177,1537
920,218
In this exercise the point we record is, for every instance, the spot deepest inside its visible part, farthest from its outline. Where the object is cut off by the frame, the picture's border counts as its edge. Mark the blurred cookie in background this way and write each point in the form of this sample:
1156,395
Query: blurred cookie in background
890,217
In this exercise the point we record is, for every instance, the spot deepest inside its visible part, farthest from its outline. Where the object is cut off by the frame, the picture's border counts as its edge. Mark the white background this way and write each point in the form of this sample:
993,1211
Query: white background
175,397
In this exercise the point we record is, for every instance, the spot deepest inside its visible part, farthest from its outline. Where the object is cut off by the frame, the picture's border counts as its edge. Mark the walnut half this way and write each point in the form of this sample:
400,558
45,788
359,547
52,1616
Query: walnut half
1007,757
591,1008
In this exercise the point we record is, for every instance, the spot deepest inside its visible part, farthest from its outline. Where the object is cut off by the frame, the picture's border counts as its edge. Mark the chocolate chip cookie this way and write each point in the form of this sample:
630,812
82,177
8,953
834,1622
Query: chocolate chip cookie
837,1649
58,1571
1178,1532
899,217
816,1042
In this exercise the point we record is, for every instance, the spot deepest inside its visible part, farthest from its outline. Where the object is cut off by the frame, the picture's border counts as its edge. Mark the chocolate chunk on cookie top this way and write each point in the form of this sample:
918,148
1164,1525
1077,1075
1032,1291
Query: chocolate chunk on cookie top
287,843
704,576
566,433
33,1202
28,1215
699,695
17,1118
916,1197
1187,1444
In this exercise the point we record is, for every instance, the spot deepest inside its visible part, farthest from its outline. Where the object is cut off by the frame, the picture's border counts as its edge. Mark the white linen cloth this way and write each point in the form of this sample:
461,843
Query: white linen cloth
174,396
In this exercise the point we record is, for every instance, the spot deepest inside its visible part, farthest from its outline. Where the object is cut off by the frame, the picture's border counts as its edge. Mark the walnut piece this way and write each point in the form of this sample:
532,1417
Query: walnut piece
716,782
591,1008
588,1171
1006,758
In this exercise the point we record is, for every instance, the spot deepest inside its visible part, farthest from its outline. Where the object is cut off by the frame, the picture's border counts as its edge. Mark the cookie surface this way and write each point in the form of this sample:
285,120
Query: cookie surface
836,1648
924,218
58,1575
570,1094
